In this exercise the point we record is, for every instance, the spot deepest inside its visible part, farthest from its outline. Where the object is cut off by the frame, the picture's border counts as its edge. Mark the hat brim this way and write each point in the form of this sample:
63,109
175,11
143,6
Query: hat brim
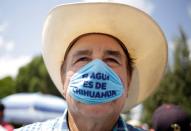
140,34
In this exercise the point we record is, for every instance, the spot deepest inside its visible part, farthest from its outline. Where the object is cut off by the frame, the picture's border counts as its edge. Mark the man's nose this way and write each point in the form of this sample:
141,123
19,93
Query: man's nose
97,55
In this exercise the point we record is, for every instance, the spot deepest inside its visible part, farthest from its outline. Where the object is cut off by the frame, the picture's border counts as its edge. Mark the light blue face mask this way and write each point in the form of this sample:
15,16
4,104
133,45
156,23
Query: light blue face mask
95,83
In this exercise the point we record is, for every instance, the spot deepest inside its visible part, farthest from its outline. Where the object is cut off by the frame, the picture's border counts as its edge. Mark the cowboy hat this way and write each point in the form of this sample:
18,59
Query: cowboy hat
140,34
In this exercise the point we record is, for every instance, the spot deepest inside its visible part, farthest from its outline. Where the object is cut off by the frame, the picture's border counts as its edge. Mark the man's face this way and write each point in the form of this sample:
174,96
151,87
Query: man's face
86,49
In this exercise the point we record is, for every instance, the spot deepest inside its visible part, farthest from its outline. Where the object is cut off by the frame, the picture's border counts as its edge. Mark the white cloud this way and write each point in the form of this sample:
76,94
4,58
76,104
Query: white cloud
3,27
9,65
9,46
145,5
6,45
1,42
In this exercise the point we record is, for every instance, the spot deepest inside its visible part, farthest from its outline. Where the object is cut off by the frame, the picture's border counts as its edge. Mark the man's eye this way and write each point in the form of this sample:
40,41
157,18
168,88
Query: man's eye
82,59
111,60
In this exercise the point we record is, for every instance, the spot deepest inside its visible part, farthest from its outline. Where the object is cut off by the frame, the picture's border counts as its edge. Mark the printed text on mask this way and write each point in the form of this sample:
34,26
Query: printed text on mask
99,86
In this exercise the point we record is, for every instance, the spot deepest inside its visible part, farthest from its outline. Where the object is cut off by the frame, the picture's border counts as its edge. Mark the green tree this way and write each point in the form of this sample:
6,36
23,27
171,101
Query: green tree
34,77
176,84
7,85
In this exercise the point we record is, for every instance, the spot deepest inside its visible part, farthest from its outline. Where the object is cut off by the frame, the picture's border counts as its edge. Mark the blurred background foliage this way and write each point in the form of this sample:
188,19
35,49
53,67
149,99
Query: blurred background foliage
32,77
7,85
175,86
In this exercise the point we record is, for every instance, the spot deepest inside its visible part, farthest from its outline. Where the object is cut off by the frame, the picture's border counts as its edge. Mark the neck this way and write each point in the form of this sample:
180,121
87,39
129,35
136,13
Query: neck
79,123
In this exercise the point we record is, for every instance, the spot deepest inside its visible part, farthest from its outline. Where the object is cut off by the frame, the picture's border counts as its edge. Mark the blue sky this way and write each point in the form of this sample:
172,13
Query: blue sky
21,24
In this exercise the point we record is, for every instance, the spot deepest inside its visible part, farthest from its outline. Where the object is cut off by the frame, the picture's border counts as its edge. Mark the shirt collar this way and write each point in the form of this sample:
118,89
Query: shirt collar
119,126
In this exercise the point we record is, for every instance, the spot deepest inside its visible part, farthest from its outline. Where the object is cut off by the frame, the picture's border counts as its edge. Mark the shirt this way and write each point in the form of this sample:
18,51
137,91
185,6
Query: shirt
60,124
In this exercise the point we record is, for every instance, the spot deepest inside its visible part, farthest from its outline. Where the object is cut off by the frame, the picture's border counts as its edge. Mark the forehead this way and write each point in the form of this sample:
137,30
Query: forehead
97,42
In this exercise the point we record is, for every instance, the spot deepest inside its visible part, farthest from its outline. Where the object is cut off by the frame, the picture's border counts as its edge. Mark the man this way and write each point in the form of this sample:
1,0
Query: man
4,126
104,58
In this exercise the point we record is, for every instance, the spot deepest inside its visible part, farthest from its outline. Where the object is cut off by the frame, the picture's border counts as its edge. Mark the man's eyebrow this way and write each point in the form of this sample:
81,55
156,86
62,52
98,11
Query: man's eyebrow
82,52
116,54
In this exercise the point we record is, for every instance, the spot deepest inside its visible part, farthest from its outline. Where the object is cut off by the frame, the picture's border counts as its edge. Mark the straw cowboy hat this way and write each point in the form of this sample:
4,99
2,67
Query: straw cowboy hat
140,34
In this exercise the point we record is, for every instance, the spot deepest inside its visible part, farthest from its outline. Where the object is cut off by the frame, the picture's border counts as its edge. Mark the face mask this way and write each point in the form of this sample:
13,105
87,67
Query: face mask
95,83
